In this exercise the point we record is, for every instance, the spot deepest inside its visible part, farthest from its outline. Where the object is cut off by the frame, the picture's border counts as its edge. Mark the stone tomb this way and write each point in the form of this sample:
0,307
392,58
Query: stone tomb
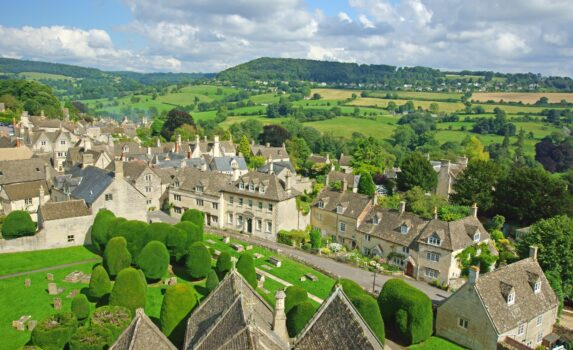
258,256
57,303
238,247
27,282
52,288
275,261
50,276
226,240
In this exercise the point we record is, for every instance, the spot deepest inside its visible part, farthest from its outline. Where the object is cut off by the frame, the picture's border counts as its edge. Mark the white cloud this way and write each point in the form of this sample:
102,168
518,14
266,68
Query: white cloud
366,23
510,44
343,17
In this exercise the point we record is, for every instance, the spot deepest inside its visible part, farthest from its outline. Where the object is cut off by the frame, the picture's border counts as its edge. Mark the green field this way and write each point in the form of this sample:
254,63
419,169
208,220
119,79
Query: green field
18,262
436,343
379,128
44,76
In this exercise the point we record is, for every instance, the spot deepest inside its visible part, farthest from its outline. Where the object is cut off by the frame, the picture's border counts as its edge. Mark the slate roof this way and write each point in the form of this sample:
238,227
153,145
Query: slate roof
455,235
23,190
15,153
353,204
224,163
92,183
278,167
24,170
142,334
274,188
64,210
527,305
337,325
390,223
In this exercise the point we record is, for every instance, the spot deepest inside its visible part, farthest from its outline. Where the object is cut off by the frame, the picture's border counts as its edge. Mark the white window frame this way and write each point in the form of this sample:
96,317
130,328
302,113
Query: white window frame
320,205
240,202
241,186
199,202
231,200
367,237
342,226
269,226
539,321
432,273
463,323
258,224
215,205
434,240
405,250
511,298
537,287
339,209
230,218
521,329
477,237
433,256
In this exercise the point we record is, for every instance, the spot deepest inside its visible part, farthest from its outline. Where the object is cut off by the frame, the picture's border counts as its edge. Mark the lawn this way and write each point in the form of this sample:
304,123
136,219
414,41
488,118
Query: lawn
28,261
382,127
436,343
448,107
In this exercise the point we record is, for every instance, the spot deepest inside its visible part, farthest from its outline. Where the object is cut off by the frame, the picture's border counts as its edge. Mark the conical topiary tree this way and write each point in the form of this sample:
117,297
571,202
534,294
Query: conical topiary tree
212,281
178,302
198,260
154,260
116,257
224,265
129,290
246,267
294,296
100,228
194,232
195,216
298,317
100,285
81,307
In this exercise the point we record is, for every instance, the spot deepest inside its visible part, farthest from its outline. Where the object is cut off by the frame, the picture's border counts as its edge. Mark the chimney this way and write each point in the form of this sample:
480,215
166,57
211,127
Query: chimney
235,168
87,159
344,185
402,207
435,213
178,144
474,210
268,144
463,161
41,196
216,147
284,145
327,158
87,144
474,275
205,138
118,169
533,252
158,142
271,165
148,151
110,140
183,163
446,164
288,184
42,113
327,181
279,319
47,173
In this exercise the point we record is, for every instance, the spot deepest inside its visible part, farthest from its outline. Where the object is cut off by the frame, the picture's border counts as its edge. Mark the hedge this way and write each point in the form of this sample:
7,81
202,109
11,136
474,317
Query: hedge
154,260
177,243
366,306
55,331
195,216
194,232
292,238
178,302
91,338
298,317
407,309
212,281
294,296
116,257
134,233
100,285
100,228
198,261
114,318
246,267
129,290
224,264
81,307
18,224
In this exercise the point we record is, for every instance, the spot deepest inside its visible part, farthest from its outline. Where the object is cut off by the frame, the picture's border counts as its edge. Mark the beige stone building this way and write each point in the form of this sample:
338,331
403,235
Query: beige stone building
448,172
514,304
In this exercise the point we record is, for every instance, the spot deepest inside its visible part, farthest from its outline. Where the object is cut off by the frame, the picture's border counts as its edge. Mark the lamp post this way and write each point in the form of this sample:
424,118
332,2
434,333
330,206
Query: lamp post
374,281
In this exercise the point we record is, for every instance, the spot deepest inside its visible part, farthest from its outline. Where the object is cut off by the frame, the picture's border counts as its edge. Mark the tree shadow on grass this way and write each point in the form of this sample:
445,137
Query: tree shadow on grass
201,290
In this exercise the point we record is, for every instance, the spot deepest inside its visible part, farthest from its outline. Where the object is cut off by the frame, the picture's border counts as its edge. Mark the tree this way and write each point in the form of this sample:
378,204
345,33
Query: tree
555,239
178,302
113,318
476,184
116,257
194,216
81,307
554,157
244,147
129,290
18,224
274,134
417,171
298,317
177,243
294,296
298,151
175,119
194,232
366,185
91,338
246,267
198,261
154,260
158,231
421,204
224,264
554,279
315,238
55,331
134,232
475,150
434,108
100,285
370,156
212,281
100,228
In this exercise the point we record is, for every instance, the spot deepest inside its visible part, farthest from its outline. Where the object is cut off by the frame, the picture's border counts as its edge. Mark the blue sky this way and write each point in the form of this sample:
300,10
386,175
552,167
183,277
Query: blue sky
210,35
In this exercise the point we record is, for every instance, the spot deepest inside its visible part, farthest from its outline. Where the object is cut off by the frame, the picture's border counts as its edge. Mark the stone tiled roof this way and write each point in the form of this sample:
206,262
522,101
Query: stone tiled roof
345,160
64,210
6,142
351,179
23,190
317,158
274,187
15,153
389,225
212,182
353,204
337,325
454,235
142,334
492,289
269,152
25,170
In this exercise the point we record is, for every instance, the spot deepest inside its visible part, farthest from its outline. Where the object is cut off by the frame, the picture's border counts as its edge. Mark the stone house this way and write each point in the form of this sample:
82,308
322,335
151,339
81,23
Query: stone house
145,180
345,163
272,154
514,305
65,223
447,174
215,148
339,177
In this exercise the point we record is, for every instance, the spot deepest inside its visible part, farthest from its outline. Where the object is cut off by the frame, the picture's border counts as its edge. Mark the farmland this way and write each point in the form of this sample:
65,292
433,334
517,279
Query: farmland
524,97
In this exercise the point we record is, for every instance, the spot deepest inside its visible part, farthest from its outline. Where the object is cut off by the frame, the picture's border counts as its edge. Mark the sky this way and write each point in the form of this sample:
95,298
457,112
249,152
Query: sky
211,35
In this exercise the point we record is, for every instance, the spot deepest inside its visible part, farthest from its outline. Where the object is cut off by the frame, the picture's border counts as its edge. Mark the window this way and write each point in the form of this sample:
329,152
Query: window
231,200
521,329
62,142
199,202
250,203
462,322
177,197
375,220
148,189
214,219
262,189
270,206
239,220
511,298
28,201
434,240
397,261
43,143
241,186
258,224
476,236
432,273
176,184
177,210
240,202
539,337
251,187
269,226
148,201
537,287
230,218
404,229
108,197
71,238
432,256
405,250
148,177
539,320
260,205
367,238
215,205
339,209
320,204
199,189
341,226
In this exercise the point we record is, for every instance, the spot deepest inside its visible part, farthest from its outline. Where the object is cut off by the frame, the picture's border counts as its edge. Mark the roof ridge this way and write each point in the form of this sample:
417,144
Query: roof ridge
219,319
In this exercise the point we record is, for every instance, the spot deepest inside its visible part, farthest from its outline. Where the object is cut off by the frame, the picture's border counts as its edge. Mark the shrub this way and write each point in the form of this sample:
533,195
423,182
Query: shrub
18,224
116,257
113,318
212,281
91,338
158,231
198,260
315,239
224,264
134,233
178,302
408,309
246,267
366,306
177,243
100,284
195,216
100,228
294,296
351,288
298,317
292,238
55,331
81,307
129,290
154,260
194,232
556,283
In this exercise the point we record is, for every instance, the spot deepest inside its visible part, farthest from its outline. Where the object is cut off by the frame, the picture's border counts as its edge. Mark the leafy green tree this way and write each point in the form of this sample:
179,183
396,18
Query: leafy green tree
81,307
198,261
158,231
194,216
134,232
116,257
475,150
366,184
177,243
91,338
154,260
421,204
224,264
370,156
246,267
175,119
129,290
244,147
33,96
294,296
113,318
100,285
554,279
100,228
18,224
55,331
275,135
194,232
178,302
212,281
476,184
298,151
298,317
315,238
417,171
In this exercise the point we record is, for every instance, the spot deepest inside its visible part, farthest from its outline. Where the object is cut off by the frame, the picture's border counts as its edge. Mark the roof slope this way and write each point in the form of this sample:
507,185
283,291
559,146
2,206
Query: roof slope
142,334
353,204
455,235
64,210
24,170
93,182
389,226
273,188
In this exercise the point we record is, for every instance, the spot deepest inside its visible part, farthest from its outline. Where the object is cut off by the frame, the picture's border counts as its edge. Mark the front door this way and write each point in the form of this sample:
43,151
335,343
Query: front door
409,269
250,225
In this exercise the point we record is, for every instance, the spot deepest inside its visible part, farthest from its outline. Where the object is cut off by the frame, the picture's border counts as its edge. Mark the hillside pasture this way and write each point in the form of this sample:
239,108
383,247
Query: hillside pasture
448,107
44,76
381,128
524,97
334,94
421,95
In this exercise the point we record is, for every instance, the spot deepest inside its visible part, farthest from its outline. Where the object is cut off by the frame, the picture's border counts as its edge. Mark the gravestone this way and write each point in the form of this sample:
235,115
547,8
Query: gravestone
27,282
249,247
216,253
52,289
226,240
210,241
275,261
20,326
57,303
50,276
302,278
311,277
238,247
258,256
73,293
32,324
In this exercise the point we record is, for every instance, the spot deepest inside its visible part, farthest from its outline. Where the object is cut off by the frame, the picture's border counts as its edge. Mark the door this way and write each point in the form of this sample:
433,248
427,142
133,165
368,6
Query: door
409,269
250,225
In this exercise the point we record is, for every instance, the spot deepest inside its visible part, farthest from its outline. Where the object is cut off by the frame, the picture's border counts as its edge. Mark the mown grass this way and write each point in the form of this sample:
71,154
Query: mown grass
382,127
436,343
28,261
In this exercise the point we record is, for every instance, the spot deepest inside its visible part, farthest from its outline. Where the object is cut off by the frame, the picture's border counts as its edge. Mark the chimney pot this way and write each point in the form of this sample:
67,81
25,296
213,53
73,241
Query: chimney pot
268,144
474,275
402,207
533,252
118,169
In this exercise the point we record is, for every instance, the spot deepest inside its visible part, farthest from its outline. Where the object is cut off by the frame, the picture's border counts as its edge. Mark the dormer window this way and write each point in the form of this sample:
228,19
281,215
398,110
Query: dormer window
176,184
375,220
320,204
537,287
241,186
251,187
434,240
404,229
199,189
511,298
339,209
262,189
476,237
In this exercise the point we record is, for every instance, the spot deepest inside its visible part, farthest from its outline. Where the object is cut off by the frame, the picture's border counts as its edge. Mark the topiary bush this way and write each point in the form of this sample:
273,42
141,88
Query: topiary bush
298,317
158,231
406,309
224,265
116,257
100,285
100,228
366,306
194,232
154,260
315,239
113,318
91,338
294,296
81,307
246,267
198,261
18,224
55,331
212,281
129,290
195,216
177,243
178,302
134,232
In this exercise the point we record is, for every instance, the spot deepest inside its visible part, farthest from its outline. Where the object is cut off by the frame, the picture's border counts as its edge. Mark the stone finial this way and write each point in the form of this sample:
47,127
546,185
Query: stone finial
279,319
474,210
